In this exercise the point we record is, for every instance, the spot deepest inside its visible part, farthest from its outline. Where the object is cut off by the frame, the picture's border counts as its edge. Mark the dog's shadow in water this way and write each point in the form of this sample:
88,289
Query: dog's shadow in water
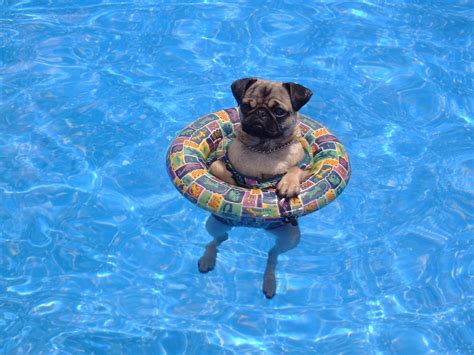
287,237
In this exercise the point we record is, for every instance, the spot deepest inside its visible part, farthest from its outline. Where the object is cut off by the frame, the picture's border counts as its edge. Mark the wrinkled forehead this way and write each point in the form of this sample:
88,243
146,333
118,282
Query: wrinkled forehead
270,93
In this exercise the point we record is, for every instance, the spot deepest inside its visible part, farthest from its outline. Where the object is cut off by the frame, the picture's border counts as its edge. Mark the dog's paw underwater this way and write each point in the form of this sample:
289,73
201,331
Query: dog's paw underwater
259,165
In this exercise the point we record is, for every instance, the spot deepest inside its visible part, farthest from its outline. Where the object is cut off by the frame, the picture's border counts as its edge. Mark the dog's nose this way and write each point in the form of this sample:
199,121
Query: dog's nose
261,113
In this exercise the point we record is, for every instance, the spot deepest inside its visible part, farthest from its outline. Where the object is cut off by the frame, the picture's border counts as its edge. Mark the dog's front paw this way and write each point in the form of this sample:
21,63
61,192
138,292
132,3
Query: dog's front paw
289,186
219,169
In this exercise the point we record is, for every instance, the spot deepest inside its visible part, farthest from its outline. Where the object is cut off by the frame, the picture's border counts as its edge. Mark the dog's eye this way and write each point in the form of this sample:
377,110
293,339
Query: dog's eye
245,107
279,112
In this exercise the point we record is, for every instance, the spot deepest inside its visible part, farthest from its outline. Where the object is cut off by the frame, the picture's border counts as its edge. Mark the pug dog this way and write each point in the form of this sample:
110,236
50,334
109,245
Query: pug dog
266,146
267,139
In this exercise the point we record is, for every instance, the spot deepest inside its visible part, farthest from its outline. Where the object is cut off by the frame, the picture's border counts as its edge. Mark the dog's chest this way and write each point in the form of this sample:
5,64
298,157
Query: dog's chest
264,165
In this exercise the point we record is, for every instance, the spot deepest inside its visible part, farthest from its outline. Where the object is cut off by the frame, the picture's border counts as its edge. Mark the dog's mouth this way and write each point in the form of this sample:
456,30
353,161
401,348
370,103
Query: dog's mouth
262,125
261,130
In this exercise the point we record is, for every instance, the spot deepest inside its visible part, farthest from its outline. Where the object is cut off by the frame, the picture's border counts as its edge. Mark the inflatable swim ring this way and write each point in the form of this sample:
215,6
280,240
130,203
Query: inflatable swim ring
190,155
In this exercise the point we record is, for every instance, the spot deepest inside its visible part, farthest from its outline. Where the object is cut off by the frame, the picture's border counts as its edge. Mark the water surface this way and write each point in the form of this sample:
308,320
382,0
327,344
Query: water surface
99,252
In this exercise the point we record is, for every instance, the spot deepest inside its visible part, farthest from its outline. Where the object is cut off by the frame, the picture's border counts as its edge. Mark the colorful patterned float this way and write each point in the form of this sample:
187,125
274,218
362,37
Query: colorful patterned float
190,154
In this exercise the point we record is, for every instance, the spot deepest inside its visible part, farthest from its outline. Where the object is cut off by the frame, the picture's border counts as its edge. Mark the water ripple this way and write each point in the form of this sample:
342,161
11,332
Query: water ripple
99,252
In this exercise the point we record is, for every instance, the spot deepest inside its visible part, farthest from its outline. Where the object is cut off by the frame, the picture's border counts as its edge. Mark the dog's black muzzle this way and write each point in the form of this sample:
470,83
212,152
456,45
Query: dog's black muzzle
261,123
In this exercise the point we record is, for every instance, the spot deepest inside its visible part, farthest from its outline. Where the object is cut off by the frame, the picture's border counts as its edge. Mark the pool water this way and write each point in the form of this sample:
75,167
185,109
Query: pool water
98,251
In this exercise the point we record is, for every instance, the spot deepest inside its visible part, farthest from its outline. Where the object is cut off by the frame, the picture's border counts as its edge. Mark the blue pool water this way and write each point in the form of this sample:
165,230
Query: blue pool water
98,251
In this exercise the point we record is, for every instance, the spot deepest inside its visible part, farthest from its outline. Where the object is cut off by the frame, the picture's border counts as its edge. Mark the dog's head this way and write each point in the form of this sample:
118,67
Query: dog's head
268,109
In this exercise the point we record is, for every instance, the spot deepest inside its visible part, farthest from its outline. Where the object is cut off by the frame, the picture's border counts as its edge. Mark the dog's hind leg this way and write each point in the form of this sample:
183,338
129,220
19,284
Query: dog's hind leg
218,230
287,238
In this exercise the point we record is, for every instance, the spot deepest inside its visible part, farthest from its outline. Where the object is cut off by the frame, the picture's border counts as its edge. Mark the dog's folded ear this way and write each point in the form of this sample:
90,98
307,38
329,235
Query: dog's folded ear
239,87
299,95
